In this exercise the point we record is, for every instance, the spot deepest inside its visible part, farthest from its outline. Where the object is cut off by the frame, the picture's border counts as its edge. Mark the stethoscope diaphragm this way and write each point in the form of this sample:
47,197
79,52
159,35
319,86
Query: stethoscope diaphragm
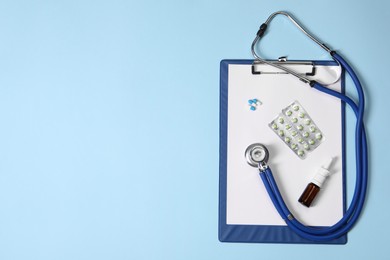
255,154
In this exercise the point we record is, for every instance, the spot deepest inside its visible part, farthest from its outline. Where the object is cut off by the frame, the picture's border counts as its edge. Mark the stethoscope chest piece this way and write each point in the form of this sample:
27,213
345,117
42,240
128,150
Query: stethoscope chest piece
255,154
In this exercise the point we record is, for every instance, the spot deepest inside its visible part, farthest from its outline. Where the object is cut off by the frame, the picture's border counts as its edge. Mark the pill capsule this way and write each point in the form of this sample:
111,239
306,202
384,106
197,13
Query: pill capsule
319,136
306,146
253,108
281,120
296,108
301,153
288,126
294,133
311,141
294,119
289,112
294,146
281,133
313,129
300,127
300,140
305,134
301,115
307,121
274,126
287,140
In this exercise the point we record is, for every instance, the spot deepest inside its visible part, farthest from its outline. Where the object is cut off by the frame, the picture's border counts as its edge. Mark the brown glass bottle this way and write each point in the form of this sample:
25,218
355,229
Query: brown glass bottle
309,194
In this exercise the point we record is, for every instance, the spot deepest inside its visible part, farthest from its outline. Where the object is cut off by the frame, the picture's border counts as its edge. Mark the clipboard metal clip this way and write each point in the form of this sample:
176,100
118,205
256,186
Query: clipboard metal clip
307,68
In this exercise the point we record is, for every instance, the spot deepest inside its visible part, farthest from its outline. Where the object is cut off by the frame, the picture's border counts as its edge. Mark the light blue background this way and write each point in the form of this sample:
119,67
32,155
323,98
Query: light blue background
109,117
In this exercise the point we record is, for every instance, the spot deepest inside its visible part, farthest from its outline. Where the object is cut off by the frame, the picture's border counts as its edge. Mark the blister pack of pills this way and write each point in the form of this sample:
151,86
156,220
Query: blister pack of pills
297,130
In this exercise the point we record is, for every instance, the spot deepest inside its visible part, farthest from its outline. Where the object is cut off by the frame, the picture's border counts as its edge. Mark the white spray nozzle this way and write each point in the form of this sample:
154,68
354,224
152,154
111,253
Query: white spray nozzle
322,173
326,165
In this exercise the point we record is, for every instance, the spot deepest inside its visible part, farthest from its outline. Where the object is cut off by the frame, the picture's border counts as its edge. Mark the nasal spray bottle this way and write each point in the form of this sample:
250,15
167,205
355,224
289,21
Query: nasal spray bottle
316,183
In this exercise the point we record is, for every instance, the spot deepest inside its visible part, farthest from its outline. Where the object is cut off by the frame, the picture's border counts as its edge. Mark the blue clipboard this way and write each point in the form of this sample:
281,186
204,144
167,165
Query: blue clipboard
259,233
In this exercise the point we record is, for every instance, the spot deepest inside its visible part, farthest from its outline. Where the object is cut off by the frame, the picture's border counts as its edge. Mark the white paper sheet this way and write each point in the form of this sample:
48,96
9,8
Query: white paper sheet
247,200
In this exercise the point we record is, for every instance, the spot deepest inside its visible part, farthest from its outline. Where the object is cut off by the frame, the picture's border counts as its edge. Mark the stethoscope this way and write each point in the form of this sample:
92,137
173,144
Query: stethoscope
257,154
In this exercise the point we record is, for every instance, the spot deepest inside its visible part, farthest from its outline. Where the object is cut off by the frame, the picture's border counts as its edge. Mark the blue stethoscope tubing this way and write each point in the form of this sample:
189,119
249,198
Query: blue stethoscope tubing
356,206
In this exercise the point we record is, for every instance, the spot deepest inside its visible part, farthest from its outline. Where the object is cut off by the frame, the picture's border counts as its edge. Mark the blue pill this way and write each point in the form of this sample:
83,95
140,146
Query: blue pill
253,108
250,101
